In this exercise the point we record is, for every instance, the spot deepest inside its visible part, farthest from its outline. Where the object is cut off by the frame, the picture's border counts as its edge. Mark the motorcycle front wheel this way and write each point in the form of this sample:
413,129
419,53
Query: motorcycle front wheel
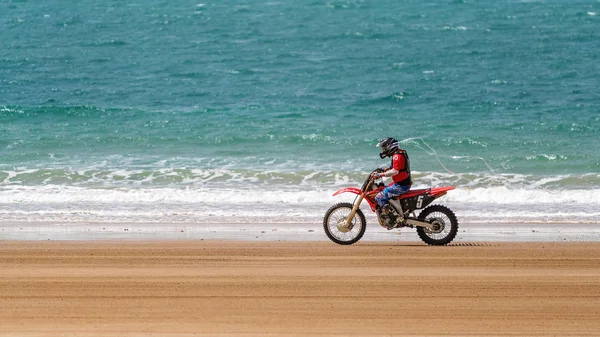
445,225
333,222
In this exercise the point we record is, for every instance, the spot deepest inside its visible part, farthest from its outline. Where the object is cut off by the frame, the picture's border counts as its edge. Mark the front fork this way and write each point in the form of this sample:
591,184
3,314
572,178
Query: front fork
357,203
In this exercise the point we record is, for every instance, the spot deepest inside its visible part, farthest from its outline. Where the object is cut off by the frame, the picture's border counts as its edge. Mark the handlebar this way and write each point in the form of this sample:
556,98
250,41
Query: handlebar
369,180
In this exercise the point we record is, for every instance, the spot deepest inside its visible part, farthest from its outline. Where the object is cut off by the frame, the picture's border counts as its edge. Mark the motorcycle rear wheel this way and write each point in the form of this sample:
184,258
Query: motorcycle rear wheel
338,213
446,225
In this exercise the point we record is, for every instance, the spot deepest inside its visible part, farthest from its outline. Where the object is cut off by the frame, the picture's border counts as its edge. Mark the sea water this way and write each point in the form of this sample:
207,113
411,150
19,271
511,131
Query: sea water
258,111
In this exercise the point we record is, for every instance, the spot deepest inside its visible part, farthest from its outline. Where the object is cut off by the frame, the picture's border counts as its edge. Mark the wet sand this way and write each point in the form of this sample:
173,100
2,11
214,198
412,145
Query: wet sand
225,288
258,231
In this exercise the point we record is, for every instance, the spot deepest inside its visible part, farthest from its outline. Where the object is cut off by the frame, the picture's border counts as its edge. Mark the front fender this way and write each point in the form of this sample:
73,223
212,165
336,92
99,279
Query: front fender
348,189
357,191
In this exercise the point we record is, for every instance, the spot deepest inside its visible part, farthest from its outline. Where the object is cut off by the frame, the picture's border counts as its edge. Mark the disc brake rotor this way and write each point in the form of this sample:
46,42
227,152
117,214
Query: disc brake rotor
341,226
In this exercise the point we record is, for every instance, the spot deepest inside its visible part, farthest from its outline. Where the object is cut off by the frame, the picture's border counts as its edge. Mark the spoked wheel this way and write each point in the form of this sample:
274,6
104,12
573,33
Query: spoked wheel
335,227
445,225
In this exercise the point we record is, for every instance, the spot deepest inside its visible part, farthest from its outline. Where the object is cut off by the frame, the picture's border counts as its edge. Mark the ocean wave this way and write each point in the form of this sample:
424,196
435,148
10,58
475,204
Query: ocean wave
62,204
238,196
16,111
508,196
279,174
392,98
275,195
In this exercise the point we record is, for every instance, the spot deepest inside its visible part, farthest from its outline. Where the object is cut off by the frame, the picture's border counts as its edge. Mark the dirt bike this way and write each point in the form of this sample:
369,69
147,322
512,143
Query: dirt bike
345,223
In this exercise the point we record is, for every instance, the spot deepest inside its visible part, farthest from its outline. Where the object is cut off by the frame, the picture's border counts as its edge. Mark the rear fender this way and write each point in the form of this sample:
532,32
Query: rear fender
419,199
434,192
440,191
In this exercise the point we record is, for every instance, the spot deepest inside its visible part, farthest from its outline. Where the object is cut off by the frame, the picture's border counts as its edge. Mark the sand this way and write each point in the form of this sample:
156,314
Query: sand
225,288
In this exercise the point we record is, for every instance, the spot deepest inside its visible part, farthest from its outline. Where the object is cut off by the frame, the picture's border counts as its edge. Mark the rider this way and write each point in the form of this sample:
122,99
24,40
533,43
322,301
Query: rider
399,170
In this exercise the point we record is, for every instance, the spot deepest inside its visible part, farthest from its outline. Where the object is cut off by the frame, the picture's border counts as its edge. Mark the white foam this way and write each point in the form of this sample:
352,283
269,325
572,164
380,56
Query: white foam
193,195
503,195
52,194
549,157
455,28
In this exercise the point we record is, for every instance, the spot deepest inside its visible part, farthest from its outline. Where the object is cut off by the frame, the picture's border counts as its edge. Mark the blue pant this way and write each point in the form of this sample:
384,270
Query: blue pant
390,192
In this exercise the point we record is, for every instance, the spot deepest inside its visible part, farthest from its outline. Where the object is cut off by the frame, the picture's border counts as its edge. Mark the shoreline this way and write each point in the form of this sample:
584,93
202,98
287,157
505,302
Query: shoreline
468,232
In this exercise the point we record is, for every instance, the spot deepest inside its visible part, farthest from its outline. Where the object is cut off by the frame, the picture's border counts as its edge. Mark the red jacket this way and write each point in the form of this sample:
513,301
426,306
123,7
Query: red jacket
401,164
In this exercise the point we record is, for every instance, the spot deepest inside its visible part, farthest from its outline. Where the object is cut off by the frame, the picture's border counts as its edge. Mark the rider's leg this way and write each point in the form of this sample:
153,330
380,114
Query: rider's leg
382,197
391,191
382,207
396,190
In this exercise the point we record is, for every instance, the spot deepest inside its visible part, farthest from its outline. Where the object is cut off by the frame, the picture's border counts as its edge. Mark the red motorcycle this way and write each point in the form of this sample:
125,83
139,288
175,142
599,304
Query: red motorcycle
345,223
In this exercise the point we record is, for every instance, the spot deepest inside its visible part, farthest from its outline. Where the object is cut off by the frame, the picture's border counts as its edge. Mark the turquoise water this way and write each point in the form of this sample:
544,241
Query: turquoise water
187,111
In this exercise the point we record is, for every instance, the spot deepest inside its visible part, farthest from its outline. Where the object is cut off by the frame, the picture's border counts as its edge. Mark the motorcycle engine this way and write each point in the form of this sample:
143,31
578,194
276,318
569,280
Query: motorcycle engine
387,217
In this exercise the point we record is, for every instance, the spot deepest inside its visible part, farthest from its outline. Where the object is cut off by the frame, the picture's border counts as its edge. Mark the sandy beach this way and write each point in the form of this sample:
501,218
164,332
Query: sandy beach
226,288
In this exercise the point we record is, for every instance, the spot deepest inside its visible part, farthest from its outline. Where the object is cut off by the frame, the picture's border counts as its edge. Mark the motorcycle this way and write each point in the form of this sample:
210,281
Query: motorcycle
345,224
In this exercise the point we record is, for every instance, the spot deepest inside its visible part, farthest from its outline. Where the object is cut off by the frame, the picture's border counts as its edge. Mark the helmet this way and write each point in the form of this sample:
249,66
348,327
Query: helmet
389,146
